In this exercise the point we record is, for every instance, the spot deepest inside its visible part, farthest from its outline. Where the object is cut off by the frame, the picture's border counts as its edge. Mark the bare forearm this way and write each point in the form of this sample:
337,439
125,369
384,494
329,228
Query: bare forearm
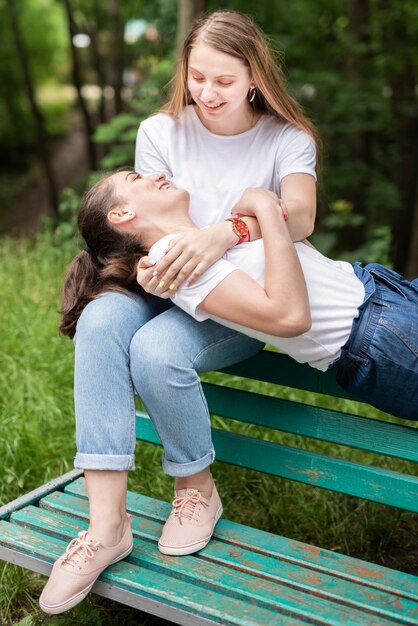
284,281
298,191
300,221
280,306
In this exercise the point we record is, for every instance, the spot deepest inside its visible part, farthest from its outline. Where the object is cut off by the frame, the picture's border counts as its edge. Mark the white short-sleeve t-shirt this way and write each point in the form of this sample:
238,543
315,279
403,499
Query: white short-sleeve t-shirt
334,291
216,169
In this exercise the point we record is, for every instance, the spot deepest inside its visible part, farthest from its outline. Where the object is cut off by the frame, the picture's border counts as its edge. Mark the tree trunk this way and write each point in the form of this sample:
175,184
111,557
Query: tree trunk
116,56
187,11
411,270
358,141
41,134
97,61
406,124
77,81
402,78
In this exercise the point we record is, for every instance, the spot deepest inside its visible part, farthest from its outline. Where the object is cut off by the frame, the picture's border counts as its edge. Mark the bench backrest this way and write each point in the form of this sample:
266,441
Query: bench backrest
274,414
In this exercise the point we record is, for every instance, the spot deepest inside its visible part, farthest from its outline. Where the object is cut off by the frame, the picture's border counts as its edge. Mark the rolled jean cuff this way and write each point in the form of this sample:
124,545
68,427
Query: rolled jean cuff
116,462
188,469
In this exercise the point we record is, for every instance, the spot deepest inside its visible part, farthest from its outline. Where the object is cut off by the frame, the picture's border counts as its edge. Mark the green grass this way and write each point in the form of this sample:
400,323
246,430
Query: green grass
37,443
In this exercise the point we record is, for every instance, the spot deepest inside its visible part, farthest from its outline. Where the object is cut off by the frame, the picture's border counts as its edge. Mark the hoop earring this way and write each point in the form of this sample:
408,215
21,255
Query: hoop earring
252,94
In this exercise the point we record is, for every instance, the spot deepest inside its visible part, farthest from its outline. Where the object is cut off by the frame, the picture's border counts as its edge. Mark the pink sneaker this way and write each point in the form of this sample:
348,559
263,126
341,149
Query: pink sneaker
75,572
191,523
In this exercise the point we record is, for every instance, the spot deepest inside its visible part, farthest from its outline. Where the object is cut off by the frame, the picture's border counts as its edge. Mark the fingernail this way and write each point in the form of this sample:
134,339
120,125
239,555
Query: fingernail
172,286
161,283
154,274
152,261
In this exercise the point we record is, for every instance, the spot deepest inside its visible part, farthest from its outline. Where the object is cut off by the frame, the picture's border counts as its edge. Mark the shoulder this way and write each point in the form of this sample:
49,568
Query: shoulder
160,247
283,134
286,132
292,133
156,124
163,122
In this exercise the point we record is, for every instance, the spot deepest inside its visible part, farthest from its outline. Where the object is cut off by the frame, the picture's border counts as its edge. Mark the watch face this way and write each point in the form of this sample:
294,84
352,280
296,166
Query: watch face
240,228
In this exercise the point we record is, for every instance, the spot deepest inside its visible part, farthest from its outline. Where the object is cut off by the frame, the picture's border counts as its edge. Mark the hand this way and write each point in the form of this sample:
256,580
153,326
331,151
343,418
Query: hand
254,199
147,277
188,256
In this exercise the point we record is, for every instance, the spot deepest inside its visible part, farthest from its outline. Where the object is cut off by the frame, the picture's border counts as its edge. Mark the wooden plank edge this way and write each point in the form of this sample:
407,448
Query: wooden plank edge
123,596
285,411
36,494
351,603
303,554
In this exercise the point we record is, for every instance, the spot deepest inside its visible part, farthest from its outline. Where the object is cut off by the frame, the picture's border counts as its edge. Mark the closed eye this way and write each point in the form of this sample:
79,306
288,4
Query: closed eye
135,175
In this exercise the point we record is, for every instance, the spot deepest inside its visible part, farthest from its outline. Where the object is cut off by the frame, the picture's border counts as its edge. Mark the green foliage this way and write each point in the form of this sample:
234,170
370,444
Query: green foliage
120,132
43,33
55,103
351,65
345,61
342,220
65,236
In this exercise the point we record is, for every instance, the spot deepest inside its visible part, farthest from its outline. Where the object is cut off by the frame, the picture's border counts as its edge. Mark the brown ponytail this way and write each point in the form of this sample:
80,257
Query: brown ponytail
109,265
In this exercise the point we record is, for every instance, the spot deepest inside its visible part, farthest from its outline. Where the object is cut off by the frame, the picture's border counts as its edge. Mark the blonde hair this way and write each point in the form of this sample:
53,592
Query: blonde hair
237,34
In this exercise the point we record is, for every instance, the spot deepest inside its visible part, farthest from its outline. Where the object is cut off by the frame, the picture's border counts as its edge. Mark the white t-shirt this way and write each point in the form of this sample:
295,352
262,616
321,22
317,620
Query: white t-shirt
335,293
216,169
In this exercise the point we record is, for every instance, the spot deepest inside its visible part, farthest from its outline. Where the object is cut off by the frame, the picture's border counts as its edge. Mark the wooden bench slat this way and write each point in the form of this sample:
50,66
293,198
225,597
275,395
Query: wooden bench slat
247,538
343,476
274,571
272,367
159,586
39,492
316,422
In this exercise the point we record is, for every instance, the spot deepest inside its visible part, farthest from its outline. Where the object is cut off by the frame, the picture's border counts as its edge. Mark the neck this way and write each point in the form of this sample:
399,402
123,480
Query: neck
235,126
156,231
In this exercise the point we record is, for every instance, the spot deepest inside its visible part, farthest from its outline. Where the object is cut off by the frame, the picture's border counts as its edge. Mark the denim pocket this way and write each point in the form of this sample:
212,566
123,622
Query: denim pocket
387,276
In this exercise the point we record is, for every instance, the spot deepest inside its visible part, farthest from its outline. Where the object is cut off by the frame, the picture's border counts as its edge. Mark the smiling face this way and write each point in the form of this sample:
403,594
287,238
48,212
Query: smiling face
219,84
148,194
148,206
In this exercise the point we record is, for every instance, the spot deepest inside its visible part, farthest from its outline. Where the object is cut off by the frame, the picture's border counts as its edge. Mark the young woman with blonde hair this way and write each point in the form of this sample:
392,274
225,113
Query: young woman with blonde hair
229,125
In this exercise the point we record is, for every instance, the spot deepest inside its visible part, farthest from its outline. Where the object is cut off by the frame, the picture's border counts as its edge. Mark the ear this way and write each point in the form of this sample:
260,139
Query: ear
120,216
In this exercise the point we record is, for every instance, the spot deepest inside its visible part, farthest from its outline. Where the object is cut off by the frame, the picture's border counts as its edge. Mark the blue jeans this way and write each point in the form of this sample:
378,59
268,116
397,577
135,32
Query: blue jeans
379,363
126,342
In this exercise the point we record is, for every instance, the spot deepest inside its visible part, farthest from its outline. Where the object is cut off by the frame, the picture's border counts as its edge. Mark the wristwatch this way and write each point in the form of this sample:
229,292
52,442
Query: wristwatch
240,228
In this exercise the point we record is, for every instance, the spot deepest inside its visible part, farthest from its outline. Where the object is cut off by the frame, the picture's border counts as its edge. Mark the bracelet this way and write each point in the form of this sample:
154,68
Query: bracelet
240,228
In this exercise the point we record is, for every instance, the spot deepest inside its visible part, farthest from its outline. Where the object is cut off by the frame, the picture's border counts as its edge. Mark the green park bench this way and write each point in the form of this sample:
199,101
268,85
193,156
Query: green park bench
247,576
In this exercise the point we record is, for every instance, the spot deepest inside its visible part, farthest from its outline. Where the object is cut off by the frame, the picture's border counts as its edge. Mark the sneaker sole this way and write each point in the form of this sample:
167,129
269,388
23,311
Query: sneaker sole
189,548
55,609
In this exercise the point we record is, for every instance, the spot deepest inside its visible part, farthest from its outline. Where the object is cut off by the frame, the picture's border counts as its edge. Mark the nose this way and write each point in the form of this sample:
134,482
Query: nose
158,176
208,92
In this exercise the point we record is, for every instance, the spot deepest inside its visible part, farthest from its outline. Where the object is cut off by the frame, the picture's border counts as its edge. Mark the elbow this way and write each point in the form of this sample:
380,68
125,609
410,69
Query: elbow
309,224
299,324
293,325
303,324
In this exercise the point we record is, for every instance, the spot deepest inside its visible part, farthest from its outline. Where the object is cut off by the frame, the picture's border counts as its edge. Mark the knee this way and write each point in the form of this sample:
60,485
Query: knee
155,356
150,349
97,317
109,315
